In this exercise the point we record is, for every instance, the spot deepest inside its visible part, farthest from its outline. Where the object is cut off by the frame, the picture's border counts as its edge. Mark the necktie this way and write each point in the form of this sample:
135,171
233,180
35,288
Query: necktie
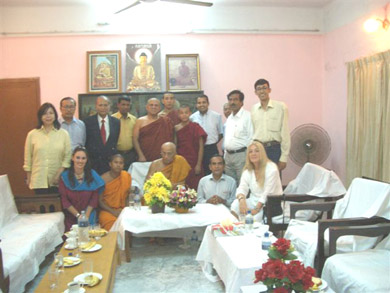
103,132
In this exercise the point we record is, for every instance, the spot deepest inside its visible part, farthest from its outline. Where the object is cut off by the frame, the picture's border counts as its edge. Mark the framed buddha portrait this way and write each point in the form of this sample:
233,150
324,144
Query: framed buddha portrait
104,72
143,68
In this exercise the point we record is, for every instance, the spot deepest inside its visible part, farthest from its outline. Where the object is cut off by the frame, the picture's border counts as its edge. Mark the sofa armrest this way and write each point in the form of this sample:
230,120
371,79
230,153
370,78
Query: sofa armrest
374,230
325,224
4,281
316,206
43,203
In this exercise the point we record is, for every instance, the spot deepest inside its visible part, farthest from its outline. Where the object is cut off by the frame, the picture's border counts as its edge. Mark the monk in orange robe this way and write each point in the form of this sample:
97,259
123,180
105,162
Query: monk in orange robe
173,166
114,197
151,131
190,138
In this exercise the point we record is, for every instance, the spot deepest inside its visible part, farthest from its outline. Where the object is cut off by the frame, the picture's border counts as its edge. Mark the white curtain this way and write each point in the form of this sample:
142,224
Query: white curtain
368,118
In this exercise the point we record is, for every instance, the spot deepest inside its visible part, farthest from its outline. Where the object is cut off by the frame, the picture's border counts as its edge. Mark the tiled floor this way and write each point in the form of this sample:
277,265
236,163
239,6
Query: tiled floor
156,268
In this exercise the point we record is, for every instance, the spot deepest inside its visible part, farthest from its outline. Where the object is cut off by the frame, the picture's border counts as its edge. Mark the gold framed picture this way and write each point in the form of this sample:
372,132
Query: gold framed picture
183,73
104,72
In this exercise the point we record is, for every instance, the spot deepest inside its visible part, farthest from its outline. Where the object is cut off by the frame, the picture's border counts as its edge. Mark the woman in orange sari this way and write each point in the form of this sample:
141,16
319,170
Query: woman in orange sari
115,195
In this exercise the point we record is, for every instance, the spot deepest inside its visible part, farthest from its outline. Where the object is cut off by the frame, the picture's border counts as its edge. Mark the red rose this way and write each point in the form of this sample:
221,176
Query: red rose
275,268
295,271
280,290
260,275
282,245
306,279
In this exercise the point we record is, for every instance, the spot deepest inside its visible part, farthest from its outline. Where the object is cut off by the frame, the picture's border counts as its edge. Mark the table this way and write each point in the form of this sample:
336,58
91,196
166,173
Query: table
169,224
234,258
104,262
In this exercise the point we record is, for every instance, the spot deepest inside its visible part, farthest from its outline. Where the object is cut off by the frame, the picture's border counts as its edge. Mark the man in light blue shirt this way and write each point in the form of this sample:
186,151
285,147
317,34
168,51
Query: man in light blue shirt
217,188
211,122
73,126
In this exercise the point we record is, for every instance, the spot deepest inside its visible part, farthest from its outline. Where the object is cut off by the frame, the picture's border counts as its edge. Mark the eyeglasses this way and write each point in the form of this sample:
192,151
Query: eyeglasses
68,107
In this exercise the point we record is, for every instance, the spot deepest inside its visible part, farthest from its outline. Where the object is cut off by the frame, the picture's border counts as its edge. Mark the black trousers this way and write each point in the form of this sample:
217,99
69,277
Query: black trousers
209,151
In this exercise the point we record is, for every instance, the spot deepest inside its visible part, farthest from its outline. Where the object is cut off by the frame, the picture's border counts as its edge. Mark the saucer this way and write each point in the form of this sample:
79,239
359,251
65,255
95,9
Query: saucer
69,247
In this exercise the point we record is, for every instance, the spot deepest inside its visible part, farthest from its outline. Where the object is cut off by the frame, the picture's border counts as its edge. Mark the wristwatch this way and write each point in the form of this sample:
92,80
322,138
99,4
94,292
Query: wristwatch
77,215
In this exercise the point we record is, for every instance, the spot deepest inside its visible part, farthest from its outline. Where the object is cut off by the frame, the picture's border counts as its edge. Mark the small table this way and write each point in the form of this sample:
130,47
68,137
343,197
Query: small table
143,223
235,258
104,263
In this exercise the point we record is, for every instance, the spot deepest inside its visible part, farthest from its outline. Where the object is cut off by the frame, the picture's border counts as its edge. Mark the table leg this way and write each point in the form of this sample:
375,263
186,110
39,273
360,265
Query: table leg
128,240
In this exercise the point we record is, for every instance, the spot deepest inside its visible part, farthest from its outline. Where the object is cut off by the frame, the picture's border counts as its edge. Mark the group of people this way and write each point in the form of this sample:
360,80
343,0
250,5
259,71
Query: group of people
86,159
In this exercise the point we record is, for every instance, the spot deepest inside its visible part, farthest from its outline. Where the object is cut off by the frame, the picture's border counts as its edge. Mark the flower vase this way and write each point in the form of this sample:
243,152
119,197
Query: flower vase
181,210
156,208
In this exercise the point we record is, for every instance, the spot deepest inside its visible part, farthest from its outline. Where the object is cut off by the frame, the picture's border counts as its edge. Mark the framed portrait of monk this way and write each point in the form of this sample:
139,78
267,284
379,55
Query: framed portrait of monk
143,68
183,72
104,72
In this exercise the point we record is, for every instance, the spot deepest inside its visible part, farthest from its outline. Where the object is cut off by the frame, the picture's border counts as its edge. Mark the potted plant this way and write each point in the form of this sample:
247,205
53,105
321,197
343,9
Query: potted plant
182,199
156,192
282,273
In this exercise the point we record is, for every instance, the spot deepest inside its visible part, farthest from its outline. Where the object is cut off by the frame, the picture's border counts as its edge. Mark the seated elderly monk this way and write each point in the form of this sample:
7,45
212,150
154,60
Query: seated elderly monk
114,198
173,166
151,131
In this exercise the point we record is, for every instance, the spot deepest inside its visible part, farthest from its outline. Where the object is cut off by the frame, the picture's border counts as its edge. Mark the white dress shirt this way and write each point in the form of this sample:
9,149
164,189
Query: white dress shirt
225,188
211,122
238,131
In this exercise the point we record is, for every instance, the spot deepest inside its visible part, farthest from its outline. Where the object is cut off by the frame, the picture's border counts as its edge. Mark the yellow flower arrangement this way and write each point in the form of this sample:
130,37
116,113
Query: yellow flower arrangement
157,190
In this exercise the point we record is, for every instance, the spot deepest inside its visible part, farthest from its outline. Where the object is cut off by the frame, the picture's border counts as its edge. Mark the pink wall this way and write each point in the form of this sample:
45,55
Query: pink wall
292,64
340,46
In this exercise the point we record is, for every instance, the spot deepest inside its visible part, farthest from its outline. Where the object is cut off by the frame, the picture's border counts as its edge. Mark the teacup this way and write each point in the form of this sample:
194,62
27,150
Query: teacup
75,228
72,242
74,287
73,233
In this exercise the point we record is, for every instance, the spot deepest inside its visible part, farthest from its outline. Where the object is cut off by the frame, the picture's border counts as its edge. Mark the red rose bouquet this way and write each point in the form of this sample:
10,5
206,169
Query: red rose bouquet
282,273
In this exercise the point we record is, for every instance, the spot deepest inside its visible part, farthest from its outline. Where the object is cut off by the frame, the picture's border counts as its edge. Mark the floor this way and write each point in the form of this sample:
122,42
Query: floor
155,268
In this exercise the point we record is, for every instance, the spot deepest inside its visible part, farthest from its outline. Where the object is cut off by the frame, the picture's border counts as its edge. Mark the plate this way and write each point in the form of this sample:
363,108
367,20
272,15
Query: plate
81,290
75,260
323,286
93,248
67,246
80,278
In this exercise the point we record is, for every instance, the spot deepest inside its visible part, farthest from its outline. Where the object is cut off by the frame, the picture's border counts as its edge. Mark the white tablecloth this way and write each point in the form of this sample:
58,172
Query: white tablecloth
169,224
234,258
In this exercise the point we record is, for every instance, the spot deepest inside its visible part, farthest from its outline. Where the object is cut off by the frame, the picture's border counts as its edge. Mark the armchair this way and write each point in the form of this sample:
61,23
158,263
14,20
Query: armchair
313,184
363,271
364,203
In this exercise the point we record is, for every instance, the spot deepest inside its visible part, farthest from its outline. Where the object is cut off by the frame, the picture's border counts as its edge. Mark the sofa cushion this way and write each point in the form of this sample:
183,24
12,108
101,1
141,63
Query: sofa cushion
25,243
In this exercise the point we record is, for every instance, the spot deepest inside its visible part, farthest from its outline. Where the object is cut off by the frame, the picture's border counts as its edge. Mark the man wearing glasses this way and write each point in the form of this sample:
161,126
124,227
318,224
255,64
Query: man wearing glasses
74,126
270,124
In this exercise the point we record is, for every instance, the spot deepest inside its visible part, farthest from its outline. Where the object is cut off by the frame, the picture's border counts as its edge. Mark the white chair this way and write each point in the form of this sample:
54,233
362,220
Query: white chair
25,240
362,271
138,171
312,184
364,199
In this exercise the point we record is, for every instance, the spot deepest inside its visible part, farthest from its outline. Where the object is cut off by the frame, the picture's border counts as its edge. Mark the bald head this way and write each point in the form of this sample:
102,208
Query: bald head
102,106
153,107
168,152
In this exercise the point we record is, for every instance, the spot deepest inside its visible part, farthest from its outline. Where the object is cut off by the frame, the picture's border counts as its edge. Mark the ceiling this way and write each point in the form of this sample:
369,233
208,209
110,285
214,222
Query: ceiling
289,3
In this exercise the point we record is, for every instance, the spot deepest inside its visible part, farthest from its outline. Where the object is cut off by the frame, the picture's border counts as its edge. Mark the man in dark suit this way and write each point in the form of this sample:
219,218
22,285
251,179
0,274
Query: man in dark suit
102,135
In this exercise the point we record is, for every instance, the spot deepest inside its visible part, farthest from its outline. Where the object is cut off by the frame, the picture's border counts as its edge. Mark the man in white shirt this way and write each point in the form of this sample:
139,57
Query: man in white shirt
217,187
74,126
238,135
270,124
211,122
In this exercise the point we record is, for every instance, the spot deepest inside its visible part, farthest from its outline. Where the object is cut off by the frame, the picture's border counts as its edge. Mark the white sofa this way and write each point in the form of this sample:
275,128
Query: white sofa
25,239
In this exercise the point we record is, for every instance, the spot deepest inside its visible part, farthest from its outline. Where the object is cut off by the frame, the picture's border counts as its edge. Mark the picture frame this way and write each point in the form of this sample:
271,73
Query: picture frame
104,71
182,72
86,102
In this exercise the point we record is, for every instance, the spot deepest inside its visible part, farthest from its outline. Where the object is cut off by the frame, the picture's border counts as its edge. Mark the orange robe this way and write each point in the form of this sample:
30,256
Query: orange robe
177,171
153,135
114,196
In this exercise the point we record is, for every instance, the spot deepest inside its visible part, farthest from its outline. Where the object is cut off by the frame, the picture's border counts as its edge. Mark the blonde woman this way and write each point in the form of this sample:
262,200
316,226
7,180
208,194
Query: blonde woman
260,177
